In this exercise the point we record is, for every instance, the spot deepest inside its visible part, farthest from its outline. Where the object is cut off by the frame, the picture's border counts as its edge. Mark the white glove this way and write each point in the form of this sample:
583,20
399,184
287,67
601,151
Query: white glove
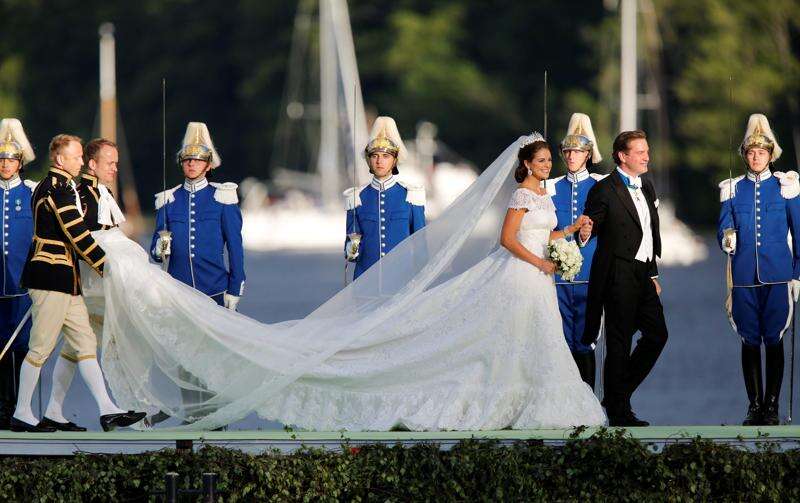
231,301
163,247
794,287
729,241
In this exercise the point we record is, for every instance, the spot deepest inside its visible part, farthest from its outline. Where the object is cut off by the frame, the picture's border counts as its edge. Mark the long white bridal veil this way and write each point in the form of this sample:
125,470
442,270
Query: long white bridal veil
167,348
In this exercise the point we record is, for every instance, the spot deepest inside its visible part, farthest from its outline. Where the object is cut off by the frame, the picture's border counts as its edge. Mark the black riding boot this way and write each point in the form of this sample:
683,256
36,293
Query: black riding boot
751,369
587,366
7,401
774,378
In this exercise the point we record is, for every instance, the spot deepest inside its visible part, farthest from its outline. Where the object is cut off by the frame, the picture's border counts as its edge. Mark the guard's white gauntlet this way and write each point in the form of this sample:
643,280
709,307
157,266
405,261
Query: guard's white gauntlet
794,287
729,241
231,301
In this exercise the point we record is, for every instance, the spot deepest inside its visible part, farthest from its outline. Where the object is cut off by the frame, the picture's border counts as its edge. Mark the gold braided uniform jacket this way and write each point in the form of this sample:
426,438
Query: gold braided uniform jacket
60,238
90,201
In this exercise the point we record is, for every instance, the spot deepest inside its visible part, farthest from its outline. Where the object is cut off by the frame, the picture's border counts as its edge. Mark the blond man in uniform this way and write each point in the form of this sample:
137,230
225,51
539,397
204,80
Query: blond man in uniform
52,277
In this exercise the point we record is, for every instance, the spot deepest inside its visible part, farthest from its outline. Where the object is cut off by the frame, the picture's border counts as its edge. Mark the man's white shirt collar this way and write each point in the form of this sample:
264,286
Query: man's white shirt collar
579,176
195,185
12,182
759,177
634,180
108,211
383,185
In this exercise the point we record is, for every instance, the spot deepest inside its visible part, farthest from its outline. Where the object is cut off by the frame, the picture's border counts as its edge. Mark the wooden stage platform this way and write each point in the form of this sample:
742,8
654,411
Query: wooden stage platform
132,442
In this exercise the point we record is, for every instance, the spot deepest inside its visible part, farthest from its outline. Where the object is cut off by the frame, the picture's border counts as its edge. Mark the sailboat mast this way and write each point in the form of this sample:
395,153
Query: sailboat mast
340,93
124,185
108,85
628,68
328,158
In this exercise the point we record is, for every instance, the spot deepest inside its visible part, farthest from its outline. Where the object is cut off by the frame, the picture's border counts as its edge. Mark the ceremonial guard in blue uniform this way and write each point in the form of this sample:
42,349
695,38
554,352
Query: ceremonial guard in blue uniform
196,222
15,213
201,219
387,210
579,150
758,211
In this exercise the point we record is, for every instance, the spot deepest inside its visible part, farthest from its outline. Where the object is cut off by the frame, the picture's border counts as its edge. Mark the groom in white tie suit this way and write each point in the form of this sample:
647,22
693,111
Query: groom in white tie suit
623,282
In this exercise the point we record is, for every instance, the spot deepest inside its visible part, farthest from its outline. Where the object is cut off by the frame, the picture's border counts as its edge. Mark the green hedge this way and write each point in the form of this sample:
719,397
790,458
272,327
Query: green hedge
608,466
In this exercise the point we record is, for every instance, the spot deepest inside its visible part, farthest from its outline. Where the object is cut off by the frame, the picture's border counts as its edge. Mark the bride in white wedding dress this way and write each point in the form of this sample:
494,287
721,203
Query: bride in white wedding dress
447,332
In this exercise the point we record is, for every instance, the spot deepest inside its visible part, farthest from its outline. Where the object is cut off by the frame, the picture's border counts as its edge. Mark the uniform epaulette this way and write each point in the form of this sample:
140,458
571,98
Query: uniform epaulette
352,197
598,176
167,196
225,193
550,185
790,183
30,184
727,188
415,194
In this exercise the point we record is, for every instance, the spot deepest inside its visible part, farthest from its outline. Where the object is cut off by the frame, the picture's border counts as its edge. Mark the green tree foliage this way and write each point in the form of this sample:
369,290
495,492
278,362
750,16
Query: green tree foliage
724,48
473,68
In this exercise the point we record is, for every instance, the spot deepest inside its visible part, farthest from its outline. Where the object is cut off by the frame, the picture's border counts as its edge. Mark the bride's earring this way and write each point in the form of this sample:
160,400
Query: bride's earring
530,173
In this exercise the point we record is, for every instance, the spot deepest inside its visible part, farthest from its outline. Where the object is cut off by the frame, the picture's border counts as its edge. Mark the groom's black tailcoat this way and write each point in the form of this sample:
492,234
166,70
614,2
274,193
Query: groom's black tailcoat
620,286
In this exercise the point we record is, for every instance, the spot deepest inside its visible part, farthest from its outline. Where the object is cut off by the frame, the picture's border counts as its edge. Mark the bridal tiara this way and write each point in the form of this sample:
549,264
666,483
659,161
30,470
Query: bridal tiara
531,138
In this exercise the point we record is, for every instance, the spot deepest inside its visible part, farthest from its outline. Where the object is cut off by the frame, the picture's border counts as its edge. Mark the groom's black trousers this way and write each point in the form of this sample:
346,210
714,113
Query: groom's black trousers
631,304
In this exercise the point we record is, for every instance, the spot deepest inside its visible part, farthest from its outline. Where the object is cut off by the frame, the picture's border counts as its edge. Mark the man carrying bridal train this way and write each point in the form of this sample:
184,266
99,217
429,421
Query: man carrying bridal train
623,280
100,212
52,277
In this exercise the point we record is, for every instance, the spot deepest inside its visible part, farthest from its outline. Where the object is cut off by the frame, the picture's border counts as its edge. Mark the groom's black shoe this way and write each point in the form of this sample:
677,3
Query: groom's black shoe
120,420
622,415
22,426
635,421
68,426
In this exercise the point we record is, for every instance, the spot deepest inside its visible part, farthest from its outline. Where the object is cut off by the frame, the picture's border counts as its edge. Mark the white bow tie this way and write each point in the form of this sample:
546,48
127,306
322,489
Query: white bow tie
108,212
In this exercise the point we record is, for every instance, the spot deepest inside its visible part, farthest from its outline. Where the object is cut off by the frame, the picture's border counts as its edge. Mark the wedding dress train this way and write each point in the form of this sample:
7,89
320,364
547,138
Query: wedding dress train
476,349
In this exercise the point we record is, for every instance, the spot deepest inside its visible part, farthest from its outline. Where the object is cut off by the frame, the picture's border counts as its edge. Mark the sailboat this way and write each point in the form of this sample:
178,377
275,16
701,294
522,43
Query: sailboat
329,136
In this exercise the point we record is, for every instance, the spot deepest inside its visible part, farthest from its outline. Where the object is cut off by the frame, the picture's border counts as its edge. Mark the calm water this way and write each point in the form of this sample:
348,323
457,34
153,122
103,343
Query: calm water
696,381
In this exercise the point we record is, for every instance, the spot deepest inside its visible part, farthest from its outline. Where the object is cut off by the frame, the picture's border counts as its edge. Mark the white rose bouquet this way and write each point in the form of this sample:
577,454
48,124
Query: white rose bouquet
567,257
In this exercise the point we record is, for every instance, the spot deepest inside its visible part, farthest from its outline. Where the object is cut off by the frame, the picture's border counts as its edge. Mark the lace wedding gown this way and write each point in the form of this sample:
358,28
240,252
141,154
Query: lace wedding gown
483,350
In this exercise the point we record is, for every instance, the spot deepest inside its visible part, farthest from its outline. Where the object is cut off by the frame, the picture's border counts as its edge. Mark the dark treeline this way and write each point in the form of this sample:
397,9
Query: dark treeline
473,68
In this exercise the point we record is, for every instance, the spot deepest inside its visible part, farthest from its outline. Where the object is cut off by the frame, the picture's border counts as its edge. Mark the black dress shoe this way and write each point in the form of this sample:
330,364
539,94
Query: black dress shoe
635,421
22,426
755,414
769,415
120,420
624,418
68,426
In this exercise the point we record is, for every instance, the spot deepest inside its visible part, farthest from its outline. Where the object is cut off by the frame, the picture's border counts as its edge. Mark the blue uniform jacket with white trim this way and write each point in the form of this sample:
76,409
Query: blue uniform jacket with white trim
204,219
569,197
384,214
763,213
17,218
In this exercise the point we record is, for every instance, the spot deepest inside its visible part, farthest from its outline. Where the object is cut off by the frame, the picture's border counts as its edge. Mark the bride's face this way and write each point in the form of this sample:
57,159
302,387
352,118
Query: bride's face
541,164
